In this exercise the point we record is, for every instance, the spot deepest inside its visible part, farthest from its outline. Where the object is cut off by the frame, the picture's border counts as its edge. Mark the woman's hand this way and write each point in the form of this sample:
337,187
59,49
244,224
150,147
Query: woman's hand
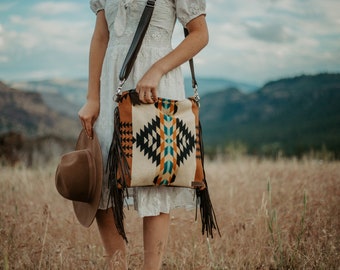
88,114
148,84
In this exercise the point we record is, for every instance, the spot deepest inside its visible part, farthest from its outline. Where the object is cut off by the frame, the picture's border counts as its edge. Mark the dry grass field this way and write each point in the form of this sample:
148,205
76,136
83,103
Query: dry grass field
281,214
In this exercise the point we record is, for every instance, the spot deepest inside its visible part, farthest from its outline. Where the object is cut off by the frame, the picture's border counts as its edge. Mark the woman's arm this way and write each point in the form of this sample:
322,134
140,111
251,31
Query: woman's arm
88,114
196,40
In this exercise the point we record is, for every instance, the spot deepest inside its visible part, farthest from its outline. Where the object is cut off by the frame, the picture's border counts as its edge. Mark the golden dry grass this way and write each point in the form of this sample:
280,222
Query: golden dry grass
272,214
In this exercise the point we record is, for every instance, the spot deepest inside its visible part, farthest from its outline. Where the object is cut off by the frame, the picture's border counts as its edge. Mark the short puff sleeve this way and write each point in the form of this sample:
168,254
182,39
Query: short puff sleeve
186,10
97,5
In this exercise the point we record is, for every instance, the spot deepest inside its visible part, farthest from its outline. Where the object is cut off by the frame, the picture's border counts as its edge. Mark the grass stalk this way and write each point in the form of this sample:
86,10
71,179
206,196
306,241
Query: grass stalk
6,263
45,234
302,221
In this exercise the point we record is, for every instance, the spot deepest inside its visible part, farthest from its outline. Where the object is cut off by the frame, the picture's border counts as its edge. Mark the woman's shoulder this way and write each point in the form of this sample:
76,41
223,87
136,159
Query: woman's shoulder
97,5
187,10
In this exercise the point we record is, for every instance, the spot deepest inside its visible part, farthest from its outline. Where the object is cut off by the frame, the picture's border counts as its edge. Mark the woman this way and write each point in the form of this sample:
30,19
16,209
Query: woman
156,73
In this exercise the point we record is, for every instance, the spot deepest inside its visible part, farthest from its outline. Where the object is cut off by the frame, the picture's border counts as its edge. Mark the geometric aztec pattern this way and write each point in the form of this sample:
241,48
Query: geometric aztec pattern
166,141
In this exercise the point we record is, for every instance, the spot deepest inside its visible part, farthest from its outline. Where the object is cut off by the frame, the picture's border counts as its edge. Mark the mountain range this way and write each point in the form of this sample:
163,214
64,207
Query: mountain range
28,114
291,116
74,91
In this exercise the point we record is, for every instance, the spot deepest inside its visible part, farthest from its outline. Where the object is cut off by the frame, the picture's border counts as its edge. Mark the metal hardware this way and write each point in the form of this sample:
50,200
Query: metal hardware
150,3
196,95
119,90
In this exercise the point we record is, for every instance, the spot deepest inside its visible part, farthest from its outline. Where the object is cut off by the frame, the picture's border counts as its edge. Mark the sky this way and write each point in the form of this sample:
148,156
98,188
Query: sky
251,41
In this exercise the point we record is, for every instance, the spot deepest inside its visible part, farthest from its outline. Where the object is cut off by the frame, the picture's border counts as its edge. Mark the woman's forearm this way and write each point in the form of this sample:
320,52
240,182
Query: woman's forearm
96,56
196,40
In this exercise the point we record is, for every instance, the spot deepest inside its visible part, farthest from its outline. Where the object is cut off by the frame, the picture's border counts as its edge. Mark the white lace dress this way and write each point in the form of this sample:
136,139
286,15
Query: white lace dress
122,18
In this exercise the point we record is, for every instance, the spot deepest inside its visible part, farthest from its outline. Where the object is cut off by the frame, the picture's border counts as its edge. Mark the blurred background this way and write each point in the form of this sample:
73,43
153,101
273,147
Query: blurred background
269,78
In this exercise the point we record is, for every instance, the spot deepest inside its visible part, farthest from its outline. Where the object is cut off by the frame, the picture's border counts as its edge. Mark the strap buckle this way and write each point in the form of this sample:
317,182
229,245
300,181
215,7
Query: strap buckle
196,95
119,90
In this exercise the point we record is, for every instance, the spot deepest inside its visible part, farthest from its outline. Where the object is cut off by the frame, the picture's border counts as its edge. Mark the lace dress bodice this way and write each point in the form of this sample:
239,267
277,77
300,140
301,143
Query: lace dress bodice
122,18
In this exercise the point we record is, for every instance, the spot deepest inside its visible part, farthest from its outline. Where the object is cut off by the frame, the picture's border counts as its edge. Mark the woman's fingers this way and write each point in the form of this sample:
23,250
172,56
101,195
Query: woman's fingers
87,125
141,95
154,95
147,96
88,115
89,129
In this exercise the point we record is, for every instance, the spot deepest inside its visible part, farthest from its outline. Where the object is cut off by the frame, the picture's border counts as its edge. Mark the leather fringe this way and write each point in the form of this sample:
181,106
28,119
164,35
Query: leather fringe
208,217
118,174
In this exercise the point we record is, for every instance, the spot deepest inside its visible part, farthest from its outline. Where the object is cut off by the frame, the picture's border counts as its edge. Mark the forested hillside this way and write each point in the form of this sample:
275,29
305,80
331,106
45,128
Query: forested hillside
292,115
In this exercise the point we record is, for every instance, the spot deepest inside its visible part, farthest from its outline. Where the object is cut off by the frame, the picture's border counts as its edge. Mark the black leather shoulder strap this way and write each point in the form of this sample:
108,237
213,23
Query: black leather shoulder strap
137,42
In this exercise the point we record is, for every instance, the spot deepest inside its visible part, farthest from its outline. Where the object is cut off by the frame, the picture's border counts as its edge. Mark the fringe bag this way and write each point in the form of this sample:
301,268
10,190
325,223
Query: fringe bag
156,144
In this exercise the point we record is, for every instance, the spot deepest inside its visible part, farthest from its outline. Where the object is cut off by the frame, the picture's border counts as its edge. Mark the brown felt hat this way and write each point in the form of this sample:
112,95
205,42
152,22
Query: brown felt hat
79,177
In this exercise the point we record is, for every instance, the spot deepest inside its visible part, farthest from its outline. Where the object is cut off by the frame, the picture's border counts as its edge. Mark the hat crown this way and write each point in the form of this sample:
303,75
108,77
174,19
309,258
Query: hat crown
76,177
79,177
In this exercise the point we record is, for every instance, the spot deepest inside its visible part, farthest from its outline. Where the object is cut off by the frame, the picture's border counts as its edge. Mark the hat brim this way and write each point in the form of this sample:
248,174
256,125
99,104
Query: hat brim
86,212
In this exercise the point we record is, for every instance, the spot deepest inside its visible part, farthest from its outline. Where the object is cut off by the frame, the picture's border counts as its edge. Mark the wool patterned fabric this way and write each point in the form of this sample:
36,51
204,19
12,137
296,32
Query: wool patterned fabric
162,146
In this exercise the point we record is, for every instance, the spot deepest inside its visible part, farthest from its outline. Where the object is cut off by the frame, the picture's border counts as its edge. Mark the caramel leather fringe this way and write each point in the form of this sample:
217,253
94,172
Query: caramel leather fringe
208,217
